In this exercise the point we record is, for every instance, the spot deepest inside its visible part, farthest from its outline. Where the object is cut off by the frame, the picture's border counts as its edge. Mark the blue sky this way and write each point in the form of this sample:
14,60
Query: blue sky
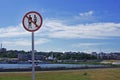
68,25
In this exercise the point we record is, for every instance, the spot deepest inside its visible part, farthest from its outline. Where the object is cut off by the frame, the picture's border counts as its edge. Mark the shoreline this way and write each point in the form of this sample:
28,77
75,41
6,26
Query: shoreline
53,69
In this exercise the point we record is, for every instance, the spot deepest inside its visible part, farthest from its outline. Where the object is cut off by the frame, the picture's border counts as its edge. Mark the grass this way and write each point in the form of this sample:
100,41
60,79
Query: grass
91,74
112,60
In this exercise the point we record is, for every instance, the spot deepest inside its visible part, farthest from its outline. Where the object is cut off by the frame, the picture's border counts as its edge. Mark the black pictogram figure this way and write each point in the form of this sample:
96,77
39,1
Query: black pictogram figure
29,21
35,19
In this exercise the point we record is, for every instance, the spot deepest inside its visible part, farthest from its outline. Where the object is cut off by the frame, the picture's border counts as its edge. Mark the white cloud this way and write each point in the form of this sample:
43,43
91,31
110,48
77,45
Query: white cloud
89,13
41,41
86,17
87,44
25,42
17,36
13,31
56,29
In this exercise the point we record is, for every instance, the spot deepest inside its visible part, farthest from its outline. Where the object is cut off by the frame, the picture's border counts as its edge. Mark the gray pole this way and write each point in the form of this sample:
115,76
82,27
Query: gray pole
33,58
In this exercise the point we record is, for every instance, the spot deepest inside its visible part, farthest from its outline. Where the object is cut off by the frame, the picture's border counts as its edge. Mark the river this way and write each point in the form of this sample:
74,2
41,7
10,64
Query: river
20,66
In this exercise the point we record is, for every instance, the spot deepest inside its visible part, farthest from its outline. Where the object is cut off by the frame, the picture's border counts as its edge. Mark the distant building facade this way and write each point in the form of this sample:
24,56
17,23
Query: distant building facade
26,57
107,56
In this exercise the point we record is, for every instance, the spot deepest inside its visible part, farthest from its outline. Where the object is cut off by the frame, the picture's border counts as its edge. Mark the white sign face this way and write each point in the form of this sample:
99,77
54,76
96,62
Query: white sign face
32,21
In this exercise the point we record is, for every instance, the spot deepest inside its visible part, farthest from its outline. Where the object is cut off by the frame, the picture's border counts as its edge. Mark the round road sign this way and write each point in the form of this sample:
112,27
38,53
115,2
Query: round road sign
32,21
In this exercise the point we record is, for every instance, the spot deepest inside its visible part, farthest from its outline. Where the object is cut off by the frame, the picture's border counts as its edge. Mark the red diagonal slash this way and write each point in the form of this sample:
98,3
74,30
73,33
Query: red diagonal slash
32,21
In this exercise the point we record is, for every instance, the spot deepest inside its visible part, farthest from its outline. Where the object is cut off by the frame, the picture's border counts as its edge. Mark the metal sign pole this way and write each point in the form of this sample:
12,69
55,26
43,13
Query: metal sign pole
33,58
32,21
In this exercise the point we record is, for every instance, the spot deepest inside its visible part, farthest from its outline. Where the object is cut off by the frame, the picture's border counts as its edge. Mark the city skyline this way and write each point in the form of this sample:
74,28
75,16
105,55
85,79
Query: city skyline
68,25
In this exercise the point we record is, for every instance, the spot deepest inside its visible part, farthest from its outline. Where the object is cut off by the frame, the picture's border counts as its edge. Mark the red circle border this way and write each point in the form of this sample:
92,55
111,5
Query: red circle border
41,20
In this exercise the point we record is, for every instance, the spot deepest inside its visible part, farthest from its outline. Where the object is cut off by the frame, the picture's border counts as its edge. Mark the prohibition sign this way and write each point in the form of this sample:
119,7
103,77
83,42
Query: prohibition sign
32,21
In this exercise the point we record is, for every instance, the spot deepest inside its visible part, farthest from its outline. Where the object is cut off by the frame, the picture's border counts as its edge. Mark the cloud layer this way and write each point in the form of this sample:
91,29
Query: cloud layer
57,29
18,36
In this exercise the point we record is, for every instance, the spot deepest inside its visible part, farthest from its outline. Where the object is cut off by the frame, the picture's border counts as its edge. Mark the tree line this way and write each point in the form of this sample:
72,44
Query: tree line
56,55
